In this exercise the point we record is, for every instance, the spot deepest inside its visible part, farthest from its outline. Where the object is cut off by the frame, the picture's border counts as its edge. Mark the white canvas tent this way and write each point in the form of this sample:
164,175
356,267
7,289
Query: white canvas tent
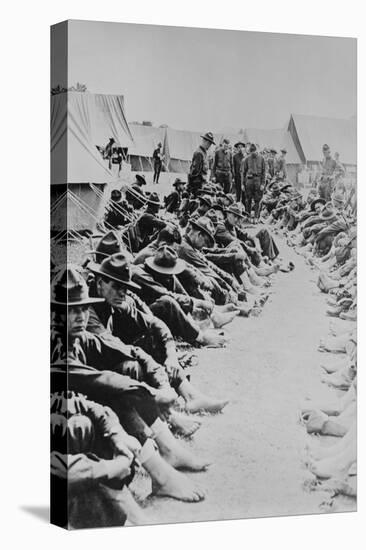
146,139
310,133
179,148
79,174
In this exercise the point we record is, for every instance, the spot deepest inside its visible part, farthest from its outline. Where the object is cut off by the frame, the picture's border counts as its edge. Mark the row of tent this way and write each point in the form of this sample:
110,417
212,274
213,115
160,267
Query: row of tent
303,138
82,123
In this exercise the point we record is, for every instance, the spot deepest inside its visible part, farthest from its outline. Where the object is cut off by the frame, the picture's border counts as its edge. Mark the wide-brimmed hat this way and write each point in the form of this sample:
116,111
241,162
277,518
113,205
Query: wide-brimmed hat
207,189
327,212
283,150
273,151
208,136
140,179
116,195
69,288
207,199
153,199
108,245
325,147
178,181
204,224
236,210
273,184
286,187
166,261
116,268
315,202
239,143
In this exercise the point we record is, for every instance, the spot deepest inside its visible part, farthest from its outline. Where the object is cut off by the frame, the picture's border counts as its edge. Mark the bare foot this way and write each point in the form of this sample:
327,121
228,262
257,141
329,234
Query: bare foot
179,486
336,466
212,339
165,396
184,424
182,459
221,319
208,404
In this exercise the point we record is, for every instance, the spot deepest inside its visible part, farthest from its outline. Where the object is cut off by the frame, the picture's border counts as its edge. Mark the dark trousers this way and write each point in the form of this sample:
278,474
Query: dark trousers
157,170
253,196
180,325
325,189
224,179
238,190
268,245
135,406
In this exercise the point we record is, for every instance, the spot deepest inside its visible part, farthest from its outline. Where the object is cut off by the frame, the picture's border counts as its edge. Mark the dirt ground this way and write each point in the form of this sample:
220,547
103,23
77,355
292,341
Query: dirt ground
269,368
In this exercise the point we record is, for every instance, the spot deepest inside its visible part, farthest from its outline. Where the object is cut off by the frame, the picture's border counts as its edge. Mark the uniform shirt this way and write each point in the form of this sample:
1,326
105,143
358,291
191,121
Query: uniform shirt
223,161
237,160
199,165
128,322
280,167
152,289
157,157
148,224
254,167
328,166
172,202
95,360
136,197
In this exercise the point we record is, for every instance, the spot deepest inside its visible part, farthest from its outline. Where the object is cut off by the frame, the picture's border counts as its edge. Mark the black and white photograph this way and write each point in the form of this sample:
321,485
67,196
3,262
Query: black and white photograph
203,274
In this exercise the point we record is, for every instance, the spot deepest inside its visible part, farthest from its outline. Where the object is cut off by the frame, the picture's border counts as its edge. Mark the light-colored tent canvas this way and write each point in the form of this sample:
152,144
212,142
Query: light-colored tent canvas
179,148
74,115
310,133
146,139
277,138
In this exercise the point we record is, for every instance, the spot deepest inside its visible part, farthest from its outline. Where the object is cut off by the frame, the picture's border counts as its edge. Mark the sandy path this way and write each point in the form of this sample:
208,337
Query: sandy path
257,444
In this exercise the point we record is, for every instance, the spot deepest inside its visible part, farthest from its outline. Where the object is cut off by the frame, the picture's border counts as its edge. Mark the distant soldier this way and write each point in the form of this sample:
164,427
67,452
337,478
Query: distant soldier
253,178
280,166
237,160
199,165
158,162
328,168
271,163
222,169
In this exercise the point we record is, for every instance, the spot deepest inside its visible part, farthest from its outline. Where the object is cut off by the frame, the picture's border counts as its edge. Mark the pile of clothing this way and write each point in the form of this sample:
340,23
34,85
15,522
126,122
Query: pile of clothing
125,321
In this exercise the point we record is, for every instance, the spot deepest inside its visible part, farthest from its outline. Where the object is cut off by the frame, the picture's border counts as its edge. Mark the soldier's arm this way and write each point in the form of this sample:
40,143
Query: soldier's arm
197,164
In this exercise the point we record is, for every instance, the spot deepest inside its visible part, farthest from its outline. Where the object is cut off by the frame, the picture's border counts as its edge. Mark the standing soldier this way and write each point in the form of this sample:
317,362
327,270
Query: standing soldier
237,160
254,179
222,169
328,167
280,166
199,166
158,162
271,163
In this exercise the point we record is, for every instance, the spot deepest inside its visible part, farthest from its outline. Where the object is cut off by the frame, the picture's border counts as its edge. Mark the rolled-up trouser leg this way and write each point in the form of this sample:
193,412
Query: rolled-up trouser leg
169,311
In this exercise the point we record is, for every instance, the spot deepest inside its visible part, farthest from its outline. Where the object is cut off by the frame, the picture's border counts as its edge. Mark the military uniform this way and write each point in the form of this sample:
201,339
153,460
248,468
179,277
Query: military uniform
237,160
157,164
147,226
326,183
253,177
222,168
198,170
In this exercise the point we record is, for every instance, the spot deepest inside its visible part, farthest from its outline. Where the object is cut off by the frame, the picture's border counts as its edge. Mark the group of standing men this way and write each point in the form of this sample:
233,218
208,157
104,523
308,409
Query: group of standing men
244,172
